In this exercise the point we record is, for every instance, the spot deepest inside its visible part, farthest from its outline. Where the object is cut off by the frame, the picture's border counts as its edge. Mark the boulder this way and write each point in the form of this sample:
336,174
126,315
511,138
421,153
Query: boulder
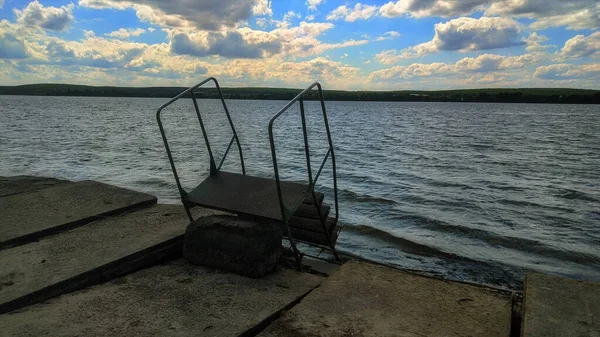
233,244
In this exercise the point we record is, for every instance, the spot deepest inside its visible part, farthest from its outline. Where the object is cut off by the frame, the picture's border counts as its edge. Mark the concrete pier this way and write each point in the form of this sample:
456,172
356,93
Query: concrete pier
92,259
555,306
29,216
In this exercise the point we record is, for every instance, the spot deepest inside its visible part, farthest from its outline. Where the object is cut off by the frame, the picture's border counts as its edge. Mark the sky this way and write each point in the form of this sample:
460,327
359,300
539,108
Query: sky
348,45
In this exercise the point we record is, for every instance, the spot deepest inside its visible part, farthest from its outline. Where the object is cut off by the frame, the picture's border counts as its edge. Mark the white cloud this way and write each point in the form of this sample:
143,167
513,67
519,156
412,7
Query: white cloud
262,7
229,45
582,46
575,14
388,36
262,22
462,34
563,72
388,57
52,18
310,17
481,63
12,47
123,33
466,34
359,12
440,8
313,4
534,42
204,15
287,18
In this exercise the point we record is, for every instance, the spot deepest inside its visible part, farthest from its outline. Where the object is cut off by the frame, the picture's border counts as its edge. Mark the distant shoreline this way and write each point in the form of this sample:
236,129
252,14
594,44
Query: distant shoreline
498,95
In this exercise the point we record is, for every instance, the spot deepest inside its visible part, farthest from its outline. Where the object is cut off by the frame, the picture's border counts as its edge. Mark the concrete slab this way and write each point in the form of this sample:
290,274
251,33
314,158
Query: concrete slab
23,184
90,254
175,299
555,306
368,300
26,217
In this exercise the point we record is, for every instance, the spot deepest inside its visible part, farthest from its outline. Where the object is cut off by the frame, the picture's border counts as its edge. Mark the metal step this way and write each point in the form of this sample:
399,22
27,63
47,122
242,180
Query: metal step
310,211
246,195
309,198
311,231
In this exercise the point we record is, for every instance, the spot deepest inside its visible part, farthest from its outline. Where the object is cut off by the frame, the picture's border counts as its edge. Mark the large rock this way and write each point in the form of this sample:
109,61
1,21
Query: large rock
233,244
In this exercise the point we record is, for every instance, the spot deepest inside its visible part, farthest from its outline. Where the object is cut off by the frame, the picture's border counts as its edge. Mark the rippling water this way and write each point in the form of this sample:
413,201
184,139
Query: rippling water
479,192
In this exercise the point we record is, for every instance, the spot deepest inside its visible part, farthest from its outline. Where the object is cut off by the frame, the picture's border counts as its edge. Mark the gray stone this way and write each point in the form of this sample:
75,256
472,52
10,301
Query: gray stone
233,244
556,306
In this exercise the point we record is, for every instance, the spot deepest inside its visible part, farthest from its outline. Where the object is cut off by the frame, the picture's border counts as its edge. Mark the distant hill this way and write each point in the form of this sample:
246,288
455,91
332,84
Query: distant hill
517,95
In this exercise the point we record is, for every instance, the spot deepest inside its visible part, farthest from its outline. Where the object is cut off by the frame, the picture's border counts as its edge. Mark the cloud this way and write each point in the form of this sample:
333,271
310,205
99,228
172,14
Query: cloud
467,34
123,33
11,47
228,45
313,4
262,7
462,34
51,18
534,42
582,46
424,8
204,15
575,14
1,4
388,36
479,64
359,12
286,21
562,71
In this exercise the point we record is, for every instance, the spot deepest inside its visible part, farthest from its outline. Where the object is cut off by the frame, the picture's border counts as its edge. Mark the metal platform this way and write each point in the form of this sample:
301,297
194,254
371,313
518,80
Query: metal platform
247,195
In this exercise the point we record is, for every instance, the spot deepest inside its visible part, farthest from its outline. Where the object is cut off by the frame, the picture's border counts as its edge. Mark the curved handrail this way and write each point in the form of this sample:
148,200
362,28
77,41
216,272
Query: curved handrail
331,151
213,166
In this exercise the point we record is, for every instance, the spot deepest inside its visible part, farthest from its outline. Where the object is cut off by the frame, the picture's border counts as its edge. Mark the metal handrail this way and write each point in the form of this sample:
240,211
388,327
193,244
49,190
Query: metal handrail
214,169
285,214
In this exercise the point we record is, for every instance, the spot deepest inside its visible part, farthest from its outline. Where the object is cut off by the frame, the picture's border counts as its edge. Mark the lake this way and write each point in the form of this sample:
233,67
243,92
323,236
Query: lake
469,191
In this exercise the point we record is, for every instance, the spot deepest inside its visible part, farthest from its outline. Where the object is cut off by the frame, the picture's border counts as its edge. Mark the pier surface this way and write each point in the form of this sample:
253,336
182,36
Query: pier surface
362,299
32,215
86,258
555,307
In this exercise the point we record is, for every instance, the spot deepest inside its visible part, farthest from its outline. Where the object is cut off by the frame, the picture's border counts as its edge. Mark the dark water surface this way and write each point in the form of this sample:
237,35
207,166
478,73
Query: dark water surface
473,191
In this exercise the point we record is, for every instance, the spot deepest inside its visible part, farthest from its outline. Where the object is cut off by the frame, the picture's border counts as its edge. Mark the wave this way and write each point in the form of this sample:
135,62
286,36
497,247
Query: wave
574,195
406,245
517,243
353,196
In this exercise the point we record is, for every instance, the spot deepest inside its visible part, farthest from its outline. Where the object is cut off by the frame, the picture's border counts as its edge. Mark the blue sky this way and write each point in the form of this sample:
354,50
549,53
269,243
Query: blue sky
368,45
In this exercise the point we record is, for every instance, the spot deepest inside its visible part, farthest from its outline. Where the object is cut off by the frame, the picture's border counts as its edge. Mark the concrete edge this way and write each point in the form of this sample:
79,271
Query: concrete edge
262,325
524,305
162,252
35,236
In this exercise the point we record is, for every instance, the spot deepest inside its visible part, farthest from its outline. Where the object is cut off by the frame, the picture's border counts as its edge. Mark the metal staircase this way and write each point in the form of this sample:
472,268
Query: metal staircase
297,207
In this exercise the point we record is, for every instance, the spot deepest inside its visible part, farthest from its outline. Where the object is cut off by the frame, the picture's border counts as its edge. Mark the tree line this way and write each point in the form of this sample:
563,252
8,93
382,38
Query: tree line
516,95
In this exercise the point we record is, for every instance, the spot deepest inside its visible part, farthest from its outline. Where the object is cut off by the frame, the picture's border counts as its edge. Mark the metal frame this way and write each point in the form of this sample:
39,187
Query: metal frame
214,169
285,213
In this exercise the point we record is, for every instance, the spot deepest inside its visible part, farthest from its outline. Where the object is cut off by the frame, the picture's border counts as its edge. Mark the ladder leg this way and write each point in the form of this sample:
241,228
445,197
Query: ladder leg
294,248
324,225
187,211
